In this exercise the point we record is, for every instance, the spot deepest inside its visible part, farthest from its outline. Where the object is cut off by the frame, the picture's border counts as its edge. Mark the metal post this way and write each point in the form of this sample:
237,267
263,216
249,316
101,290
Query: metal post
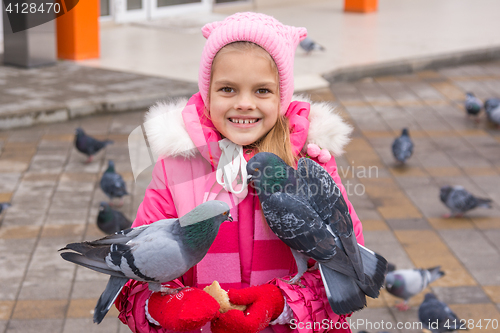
29,47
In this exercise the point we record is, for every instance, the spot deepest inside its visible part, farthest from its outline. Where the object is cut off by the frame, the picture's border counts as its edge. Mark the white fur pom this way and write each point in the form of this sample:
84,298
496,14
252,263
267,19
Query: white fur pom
327,129
166,131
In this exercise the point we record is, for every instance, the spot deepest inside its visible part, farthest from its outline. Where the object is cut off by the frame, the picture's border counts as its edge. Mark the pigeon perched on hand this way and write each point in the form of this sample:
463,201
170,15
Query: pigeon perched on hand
473,105
309,45
402,147
459,201
110,220
112,183
437,317
155,253
406,283
307,211
88,145
492,107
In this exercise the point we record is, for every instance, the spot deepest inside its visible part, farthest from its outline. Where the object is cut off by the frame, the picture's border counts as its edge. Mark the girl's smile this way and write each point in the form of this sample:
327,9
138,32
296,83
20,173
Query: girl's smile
244,95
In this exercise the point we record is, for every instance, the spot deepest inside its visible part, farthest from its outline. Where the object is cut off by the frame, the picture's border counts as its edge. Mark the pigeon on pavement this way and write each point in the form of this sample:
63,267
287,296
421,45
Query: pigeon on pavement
112,183
3,206
110,220
437,317
155,253
307,211
492,107
88,145
309,45
406,283
473,105
402,147
459,201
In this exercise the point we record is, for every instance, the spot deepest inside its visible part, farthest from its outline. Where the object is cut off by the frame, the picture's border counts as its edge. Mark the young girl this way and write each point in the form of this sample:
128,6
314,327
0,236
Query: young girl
244,106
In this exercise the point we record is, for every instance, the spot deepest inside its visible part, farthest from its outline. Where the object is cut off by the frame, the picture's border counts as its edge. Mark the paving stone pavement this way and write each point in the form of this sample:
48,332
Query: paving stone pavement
55,199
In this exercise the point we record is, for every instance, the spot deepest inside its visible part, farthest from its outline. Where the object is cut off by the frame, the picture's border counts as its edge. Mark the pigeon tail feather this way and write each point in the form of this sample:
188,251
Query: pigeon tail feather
100,267
375,267
486,203
108,297
435,273
342,292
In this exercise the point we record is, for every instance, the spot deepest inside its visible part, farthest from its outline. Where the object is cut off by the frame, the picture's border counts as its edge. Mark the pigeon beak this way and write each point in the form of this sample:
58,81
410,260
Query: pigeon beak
249,178
229,217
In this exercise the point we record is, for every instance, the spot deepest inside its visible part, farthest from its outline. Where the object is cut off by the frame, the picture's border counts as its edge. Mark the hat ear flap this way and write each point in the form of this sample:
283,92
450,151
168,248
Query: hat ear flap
302,32
208,28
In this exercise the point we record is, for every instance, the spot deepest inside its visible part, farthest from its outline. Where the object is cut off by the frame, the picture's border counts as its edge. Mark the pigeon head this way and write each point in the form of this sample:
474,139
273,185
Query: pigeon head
393,282
79,131
4,205
111,166
429,296
201,225
213,209
444,192
268,172
405,132
105,212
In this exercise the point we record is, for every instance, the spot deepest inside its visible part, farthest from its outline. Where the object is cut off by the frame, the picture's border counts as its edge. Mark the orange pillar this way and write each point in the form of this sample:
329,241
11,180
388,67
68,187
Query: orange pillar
360,6
78,31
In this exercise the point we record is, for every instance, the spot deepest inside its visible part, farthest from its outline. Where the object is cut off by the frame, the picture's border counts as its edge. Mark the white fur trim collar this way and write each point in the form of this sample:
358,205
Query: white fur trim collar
167,134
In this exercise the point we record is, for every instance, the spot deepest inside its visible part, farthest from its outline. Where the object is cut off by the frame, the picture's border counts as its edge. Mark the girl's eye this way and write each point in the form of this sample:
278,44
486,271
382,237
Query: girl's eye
263,91
227,90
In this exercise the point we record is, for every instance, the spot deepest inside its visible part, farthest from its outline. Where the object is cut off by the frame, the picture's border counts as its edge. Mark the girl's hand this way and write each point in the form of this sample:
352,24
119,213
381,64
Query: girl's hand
264,304
190,309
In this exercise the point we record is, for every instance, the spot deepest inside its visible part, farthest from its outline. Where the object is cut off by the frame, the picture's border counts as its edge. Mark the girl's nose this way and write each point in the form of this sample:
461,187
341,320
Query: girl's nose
245,102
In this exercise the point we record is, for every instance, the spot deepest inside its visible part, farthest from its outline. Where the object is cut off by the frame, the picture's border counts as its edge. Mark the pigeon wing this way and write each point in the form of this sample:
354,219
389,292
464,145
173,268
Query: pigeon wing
461,201
327,200
299,226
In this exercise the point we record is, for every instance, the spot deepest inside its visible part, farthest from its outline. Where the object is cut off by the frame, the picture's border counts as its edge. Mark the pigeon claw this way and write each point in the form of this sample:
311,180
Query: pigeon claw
403,306
294,281
170,291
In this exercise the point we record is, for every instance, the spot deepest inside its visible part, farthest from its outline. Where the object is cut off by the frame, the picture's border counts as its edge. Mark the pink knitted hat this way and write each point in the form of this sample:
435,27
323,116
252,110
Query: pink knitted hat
279,40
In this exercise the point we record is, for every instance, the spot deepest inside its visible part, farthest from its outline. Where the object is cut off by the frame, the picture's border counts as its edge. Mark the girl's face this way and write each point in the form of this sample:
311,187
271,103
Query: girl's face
244,95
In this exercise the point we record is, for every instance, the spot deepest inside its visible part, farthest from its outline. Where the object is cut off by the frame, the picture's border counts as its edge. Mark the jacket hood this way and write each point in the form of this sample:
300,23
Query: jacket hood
167,134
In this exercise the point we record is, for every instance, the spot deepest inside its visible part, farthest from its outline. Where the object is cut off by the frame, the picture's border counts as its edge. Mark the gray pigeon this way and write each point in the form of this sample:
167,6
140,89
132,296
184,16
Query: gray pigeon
309,45
492,107
473,105
155,253
112,183
110,220
402,147
406,283
88,145
437,317
459,201
3,206
307,211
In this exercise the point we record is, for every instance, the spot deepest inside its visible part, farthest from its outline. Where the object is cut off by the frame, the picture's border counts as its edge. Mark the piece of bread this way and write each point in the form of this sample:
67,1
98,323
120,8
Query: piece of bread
221,296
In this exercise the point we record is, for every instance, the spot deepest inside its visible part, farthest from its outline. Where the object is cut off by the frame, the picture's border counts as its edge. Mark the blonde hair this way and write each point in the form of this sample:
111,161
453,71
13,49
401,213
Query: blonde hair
277,140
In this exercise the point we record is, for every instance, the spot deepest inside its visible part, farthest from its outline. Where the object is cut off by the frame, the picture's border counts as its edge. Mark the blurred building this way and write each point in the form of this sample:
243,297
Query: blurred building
122,11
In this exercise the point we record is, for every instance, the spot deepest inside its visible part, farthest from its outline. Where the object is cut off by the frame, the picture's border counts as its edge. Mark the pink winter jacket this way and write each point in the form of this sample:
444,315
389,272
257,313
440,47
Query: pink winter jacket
184,177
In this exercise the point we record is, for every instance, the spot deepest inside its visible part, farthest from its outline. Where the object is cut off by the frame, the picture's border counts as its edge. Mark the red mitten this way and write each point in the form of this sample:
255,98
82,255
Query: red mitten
187,310
264,304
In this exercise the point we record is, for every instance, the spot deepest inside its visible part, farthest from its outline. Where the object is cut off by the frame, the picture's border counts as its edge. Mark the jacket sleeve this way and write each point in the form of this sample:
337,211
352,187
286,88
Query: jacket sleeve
157,205
310,304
